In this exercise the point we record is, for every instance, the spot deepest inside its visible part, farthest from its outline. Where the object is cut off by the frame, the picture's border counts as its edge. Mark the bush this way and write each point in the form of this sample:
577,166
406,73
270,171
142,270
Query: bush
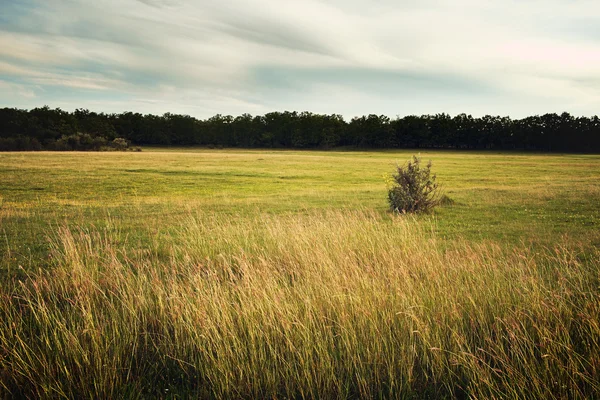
79,141
120,144
413,189
20,143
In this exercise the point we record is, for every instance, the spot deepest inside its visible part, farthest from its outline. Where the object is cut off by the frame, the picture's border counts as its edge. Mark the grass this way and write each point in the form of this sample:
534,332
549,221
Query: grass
250,274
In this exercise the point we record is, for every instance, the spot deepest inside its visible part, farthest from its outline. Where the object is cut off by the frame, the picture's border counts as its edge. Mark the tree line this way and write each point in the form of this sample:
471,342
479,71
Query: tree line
56,129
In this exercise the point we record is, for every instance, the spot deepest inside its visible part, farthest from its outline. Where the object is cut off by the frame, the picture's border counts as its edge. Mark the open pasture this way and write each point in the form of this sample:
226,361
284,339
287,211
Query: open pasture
277,274
506,197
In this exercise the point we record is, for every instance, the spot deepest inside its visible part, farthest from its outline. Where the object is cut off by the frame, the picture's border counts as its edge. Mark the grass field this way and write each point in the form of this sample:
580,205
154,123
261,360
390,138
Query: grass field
278,274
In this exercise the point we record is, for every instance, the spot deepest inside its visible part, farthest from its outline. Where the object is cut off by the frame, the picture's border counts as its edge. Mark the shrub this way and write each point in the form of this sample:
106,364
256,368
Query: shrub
8,144
120,144
20,143
99,142
413,188
79,141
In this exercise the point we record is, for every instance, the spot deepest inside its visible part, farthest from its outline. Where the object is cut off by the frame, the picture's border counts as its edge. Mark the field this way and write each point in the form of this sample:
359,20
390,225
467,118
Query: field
280,274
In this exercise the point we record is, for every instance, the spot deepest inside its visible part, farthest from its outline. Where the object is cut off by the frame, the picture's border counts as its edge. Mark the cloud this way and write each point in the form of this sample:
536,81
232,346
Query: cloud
10,89
205,57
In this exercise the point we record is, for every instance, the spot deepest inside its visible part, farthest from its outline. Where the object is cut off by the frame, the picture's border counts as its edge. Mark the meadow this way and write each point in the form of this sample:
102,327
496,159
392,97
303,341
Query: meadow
177,273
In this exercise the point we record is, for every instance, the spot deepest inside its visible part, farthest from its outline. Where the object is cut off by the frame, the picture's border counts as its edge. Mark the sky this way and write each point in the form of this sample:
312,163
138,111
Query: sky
349,57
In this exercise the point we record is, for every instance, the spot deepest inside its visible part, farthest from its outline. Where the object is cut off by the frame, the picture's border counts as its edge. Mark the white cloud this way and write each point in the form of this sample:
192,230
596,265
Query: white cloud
202,57
11,90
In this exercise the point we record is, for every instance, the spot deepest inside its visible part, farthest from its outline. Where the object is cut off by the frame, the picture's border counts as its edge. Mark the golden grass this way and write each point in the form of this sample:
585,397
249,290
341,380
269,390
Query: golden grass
325,305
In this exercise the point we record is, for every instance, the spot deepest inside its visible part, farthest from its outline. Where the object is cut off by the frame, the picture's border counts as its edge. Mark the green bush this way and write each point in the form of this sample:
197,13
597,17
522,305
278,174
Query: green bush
20,143
120,144
413,188
79,141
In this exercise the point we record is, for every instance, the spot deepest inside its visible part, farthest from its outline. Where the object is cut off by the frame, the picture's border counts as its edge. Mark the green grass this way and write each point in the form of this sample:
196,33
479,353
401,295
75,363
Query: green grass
276,274
505,197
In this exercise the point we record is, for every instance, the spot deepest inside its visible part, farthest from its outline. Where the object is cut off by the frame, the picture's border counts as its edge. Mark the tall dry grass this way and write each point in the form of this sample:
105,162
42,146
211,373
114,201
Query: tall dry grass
327,305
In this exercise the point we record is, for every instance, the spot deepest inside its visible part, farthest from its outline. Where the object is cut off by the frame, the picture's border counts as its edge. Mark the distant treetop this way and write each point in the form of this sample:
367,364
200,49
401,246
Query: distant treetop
41,128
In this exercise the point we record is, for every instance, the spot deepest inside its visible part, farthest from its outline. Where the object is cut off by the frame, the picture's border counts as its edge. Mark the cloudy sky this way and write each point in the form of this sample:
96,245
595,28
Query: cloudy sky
352,57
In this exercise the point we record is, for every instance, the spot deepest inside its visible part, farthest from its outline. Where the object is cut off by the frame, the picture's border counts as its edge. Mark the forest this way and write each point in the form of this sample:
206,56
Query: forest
45,128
